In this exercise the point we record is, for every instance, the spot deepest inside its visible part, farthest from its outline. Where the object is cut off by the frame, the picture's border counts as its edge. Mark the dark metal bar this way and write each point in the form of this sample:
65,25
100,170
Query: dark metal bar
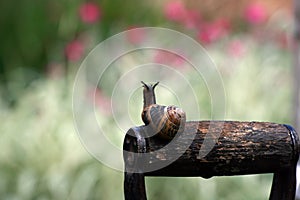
284,181
134,186
284,184
134,180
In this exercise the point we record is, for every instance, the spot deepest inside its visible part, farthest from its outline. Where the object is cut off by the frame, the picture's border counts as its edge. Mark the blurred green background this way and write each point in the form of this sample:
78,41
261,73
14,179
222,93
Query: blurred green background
42,44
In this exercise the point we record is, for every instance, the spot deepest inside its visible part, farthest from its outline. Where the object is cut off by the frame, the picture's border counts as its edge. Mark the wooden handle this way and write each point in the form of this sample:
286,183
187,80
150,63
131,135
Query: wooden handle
240,148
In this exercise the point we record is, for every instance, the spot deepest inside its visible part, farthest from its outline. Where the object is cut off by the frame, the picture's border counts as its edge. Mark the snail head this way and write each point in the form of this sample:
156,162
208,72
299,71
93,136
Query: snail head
148,93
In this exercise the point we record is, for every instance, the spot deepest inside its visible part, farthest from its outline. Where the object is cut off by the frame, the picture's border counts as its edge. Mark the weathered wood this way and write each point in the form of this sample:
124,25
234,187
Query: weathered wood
239,148
242,148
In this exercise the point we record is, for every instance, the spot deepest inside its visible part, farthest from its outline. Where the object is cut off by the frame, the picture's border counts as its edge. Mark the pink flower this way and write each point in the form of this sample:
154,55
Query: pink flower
55,70
236,48
214,31
74,50
168,58
135,35
89,13
191,19
175,11
282,40
255,13
103,102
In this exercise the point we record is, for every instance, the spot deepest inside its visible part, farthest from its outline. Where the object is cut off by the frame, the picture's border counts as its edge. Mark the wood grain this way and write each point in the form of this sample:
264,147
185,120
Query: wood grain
234,148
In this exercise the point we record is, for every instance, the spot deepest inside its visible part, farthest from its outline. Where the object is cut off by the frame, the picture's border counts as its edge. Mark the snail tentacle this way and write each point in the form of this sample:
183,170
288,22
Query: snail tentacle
148,94
166,121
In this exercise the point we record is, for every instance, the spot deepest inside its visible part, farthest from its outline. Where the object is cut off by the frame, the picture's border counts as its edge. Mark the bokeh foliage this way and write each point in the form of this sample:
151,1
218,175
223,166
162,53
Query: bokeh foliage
41,155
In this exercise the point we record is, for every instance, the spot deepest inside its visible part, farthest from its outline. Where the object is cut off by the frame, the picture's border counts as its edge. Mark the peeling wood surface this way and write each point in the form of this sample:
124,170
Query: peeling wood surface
214,148
241,148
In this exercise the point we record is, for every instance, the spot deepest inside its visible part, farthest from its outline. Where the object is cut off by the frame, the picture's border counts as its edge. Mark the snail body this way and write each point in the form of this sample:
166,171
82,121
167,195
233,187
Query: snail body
166,121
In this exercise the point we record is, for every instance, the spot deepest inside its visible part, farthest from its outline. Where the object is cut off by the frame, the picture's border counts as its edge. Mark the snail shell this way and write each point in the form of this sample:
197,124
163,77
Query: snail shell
167,121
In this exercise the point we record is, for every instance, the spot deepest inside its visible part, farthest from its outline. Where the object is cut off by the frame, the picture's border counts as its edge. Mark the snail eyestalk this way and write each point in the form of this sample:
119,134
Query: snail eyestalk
149,95
166,121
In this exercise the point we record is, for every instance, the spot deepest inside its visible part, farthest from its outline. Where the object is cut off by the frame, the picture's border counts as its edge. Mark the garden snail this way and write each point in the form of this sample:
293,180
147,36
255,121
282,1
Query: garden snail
166,121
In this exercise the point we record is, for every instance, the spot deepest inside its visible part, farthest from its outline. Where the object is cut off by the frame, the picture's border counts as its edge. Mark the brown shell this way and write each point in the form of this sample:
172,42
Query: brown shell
167,121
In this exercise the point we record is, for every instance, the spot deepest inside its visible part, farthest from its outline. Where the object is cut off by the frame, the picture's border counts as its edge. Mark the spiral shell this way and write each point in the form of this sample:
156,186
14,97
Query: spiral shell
167,121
